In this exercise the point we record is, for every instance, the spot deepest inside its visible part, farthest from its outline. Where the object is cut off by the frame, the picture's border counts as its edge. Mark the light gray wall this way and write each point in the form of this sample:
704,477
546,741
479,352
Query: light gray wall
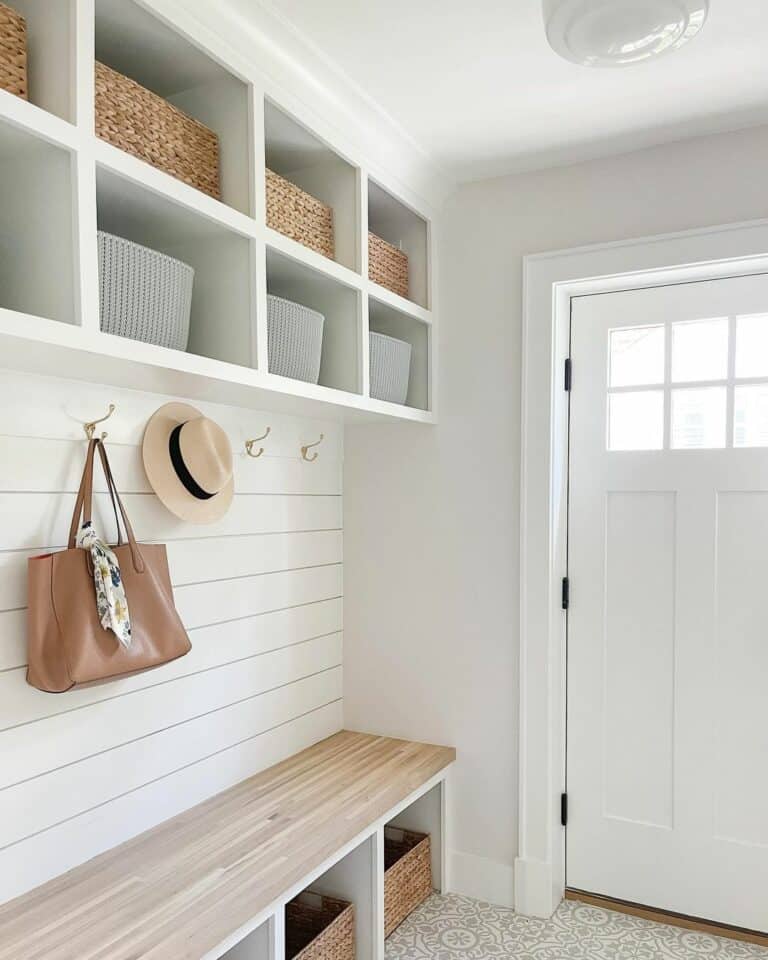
431,514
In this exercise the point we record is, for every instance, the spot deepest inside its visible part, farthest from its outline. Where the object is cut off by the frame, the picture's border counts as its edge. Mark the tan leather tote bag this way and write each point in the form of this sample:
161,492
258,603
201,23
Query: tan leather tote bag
67,645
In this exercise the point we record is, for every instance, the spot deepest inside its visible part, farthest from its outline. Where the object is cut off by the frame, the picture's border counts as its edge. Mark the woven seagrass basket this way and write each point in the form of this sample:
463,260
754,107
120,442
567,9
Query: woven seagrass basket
387,265
13,52
408,876
319,928
140,122
298,215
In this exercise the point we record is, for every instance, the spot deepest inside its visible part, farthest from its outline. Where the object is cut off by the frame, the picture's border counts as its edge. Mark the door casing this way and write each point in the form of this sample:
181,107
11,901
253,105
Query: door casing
550,281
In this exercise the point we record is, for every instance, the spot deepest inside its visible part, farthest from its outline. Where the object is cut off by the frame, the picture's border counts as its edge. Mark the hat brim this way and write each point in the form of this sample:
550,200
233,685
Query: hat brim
162,477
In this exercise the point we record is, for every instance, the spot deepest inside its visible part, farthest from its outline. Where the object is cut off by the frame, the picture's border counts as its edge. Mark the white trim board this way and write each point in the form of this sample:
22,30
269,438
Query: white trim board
481,878
550,280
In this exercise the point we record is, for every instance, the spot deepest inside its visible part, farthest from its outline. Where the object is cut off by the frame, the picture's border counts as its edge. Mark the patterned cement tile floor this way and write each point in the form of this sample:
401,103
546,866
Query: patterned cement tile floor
457,928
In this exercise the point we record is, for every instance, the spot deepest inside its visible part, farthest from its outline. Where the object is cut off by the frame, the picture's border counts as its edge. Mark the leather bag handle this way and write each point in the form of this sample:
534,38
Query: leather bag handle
84,499
84,504
138,560
85,480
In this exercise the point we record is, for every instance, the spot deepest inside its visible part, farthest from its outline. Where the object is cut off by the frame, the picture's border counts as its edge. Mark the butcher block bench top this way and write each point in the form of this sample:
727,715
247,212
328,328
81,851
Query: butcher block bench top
180,889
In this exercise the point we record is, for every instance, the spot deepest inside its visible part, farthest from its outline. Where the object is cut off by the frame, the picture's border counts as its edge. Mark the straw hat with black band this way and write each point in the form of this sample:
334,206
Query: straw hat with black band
188,461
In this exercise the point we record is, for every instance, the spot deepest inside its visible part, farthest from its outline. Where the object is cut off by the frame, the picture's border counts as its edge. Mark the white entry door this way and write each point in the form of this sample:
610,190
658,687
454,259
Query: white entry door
667,739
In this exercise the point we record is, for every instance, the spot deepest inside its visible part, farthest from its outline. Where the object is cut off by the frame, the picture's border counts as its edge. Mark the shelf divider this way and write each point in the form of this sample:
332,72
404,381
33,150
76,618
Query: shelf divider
85,58
86,248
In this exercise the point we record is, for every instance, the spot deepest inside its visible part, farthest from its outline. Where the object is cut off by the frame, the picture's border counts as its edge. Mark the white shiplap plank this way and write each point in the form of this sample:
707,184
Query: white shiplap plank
216,601
35,520
68,791
194,560
34,748
212,646
191,561
34,406
45,855
43,465
13,639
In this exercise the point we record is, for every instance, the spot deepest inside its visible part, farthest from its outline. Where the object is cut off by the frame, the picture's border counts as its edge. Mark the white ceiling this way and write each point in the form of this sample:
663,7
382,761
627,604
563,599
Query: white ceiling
477,87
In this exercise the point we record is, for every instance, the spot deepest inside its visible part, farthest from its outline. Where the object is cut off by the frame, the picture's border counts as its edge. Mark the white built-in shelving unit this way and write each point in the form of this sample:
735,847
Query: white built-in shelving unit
59,183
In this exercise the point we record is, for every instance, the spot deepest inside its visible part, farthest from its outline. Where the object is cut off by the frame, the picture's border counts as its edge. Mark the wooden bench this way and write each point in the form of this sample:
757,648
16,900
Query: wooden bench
213,881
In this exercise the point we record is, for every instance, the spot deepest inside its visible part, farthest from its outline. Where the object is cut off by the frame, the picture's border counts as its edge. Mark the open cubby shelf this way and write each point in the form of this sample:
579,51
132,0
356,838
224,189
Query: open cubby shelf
339,305
385,319
292,151
60,184
37,251
131,40
221,325
50,54
402,227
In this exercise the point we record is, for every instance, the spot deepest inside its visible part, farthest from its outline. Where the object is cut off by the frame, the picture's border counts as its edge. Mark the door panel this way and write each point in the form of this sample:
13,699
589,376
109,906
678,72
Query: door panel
667,628
638,656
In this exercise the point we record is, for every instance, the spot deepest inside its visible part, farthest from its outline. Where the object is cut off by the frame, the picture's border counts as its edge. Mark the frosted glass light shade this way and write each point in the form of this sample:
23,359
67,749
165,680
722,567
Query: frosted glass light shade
614,33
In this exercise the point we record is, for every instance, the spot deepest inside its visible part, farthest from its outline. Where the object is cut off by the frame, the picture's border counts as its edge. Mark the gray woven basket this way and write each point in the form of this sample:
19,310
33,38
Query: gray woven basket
294,339
390,368
143,294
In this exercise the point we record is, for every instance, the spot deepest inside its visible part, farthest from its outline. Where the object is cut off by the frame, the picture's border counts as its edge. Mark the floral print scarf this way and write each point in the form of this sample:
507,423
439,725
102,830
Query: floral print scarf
110,594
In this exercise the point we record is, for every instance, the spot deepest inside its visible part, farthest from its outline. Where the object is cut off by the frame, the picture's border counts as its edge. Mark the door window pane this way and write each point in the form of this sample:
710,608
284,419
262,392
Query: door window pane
752,346
700,350
698,418
636,420
636,356
750,426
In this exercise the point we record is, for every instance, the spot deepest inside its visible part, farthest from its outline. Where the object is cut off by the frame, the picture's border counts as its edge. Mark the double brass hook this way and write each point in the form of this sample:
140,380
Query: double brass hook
250,447
250,444
90,428
315,455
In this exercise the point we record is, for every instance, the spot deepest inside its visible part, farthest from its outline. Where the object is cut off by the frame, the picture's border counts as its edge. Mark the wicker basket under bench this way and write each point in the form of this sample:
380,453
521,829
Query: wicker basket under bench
408,874
13,52
319,928
140,122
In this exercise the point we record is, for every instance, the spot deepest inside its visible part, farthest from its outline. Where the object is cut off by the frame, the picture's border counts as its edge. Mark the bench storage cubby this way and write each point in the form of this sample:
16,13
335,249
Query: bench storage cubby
408,874
318,927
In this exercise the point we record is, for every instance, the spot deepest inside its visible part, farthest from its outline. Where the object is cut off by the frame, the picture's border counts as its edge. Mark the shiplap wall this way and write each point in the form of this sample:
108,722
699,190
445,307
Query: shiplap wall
260,593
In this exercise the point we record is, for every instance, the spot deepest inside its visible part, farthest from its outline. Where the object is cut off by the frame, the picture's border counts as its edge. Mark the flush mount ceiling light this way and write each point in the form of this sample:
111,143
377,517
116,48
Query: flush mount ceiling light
614,33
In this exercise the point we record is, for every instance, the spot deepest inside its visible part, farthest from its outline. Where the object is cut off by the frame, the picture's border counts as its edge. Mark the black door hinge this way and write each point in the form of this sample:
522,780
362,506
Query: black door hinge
564,809
567,374
566,592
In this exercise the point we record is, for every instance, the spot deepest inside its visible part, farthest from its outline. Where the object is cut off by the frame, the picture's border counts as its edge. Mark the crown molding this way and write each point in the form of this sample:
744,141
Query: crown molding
296,70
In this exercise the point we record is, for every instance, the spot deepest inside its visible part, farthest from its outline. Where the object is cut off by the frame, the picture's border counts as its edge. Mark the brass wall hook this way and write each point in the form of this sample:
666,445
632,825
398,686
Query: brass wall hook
90,428
250,444
305,448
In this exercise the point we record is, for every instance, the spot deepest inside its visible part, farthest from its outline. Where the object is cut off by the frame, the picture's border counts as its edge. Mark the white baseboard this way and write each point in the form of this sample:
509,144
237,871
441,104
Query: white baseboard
535,893
473,876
